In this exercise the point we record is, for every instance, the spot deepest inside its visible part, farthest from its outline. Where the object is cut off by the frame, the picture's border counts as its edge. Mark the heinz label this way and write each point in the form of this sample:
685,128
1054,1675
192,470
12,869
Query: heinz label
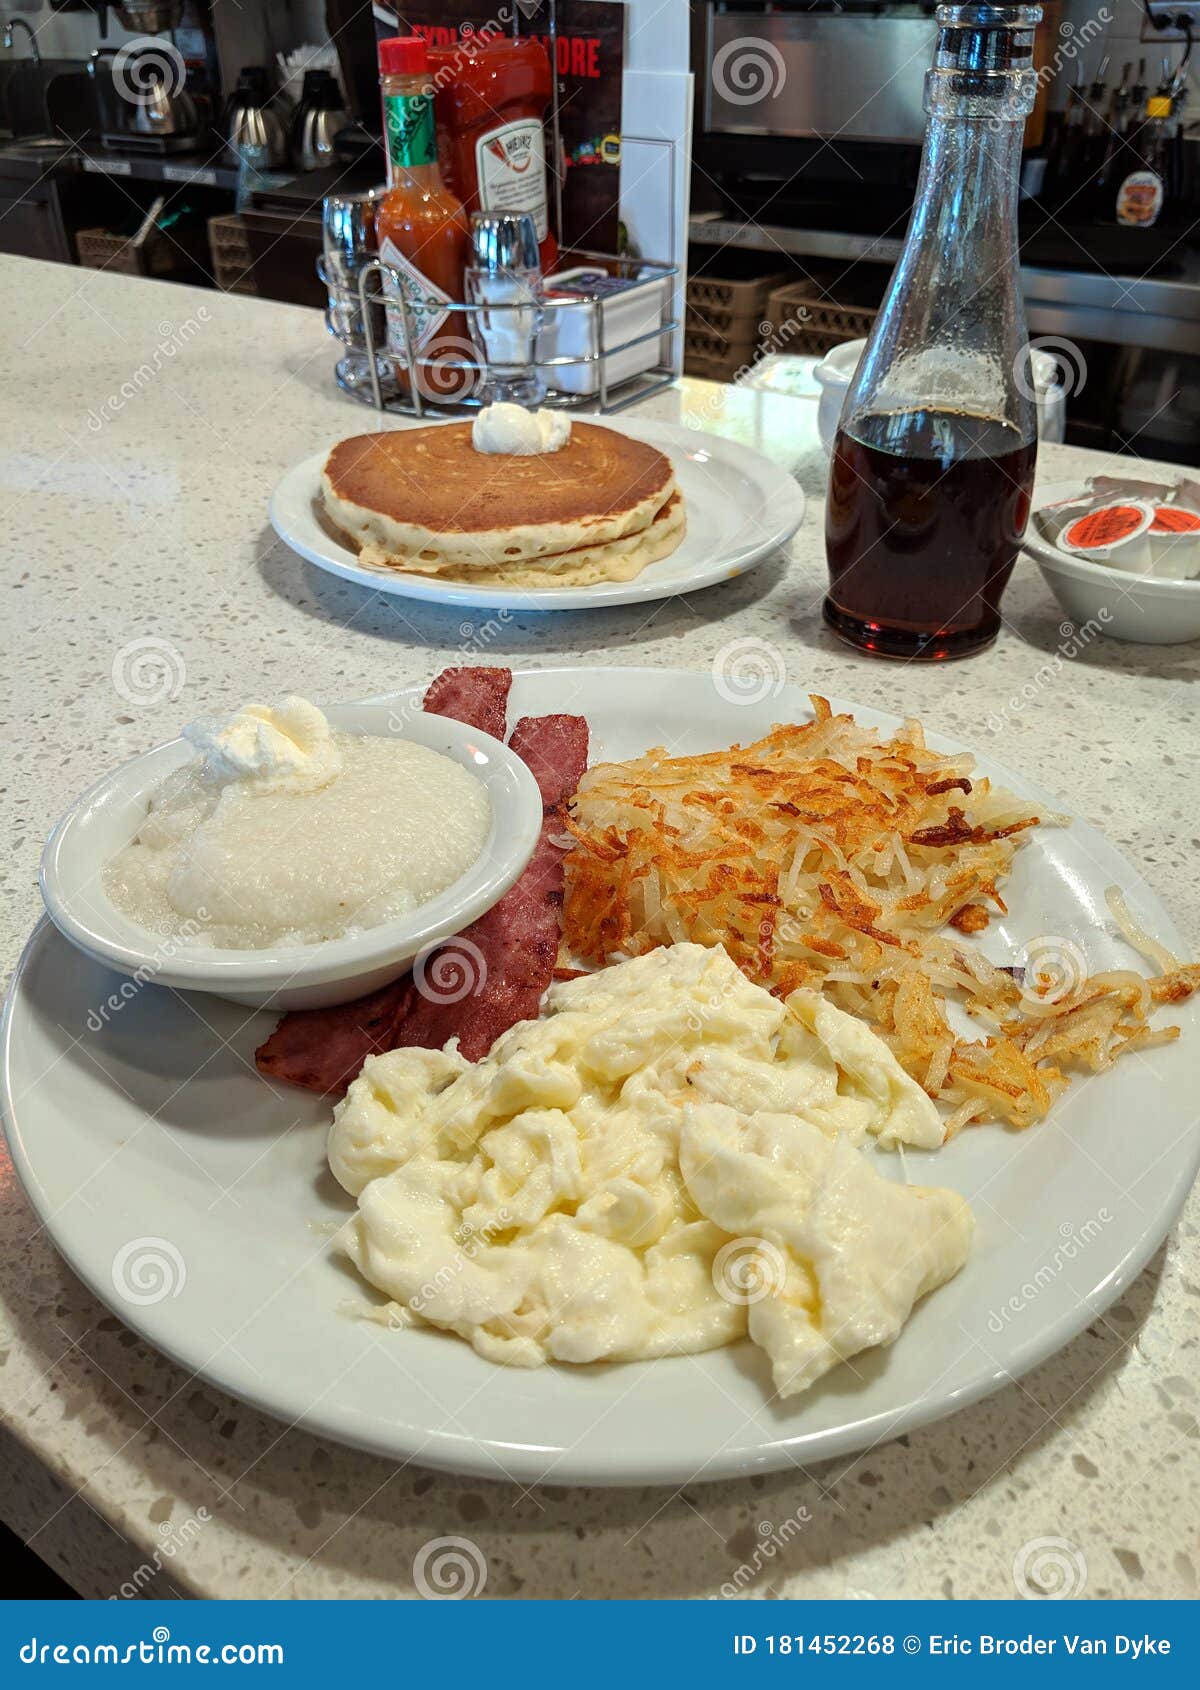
511,165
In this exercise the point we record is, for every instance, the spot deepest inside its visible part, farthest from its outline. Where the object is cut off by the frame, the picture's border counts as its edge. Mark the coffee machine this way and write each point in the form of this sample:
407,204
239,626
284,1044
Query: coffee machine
157,94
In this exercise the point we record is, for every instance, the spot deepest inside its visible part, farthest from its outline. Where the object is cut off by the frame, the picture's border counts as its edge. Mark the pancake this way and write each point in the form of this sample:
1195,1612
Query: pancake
425,496
583,566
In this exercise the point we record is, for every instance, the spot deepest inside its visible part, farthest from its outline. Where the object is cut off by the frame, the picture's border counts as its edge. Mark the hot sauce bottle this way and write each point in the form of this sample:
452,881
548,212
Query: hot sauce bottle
491,105
424,235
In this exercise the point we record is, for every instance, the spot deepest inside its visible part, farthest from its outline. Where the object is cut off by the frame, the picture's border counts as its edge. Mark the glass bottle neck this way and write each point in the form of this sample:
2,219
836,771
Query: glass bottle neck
964,221
409,134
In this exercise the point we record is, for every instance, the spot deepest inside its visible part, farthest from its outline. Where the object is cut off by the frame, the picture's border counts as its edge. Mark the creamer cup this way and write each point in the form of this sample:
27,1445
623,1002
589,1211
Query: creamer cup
1116,533
1175,543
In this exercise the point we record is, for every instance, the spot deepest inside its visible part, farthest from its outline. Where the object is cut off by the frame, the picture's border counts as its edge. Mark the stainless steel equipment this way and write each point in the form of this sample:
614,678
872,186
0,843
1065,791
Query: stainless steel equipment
149,17
777,72
165,111
253,130
140,99
30,36
319,117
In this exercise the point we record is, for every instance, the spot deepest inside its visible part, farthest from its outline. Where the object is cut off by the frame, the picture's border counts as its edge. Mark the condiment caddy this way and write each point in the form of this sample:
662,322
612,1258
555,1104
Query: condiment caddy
607,339
452,267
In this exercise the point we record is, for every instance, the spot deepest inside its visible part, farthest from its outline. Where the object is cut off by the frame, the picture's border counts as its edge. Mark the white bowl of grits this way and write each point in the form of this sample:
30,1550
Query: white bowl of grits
288,857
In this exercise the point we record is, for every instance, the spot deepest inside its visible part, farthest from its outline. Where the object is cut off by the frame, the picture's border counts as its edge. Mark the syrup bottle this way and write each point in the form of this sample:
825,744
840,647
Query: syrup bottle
934,458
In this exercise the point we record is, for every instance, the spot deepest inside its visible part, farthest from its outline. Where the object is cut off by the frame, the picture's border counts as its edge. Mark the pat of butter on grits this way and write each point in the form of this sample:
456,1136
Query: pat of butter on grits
664,1162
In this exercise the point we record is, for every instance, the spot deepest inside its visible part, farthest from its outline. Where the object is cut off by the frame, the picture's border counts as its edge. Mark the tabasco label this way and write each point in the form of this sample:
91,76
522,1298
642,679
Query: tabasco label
511,165
428,306
409,131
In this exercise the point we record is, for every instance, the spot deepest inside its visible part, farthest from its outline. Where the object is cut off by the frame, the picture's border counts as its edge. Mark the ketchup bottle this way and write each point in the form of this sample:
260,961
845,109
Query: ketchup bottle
491,100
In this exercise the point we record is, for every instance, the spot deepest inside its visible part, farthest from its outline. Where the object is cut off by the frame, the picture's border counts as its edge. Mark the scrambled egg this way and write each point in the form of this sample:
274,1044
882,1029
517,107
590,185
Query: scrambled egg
662,1163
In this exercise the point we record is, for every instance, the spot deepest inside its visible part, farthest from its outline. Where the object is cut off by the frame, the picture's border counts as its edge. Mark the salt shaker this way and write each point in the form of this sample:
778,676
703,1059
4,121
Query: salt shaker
504,281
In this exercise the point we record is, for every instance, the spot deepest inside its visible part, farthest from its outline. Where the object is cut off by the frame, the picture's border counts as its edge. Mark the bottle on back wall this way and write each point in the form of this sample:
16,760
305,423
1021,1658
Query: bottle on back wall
1143,190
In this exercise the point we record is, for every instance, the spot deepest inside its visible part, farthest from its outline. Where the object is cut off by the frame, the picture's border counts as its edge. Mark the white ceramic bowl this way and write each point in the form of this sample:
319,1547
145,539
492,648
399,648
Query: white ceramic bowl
1140,608
108,816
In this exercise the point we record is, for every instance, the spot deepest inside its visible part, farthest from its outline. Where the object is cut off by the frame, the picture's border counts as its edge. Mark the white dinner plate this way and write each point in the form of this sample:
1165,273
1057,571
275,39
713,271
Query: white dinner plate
192,1196
740,509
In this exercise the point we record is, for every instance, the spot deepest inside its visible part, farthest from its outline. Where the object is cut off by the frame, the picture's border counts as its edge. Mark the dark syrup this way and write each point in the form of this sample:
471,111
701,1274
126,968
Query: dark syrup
925,517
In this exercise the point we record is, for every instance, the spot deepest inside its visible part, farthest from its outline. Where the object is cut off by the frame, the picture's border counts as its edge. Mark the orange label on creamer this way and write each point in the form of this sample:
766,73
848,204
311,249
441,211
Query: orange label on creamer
1169,519
1104,527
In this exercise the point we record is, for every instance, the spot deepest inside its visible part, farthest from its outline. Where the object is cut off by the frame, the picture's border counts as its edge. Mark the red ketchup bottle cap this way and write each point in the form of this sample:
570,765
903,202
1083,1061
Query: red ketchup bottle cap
403,55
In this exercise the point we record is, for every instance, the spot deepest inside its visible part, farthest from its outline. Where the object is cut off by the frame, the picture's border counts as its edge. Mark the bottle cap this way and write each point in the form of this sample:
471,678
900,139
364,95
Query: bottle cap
981,37
403,55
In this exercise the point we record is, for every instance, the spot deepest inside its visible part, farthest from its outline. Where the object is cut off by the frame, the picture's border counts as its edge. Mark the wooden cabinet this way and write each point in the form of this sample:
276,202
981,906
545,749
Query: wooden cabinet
31,224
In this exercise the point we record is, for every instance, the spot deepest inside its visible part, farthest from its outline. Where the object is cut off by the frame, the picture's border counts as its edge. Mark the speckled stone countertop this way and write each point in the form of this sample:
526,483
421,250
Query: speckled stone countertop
144,426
